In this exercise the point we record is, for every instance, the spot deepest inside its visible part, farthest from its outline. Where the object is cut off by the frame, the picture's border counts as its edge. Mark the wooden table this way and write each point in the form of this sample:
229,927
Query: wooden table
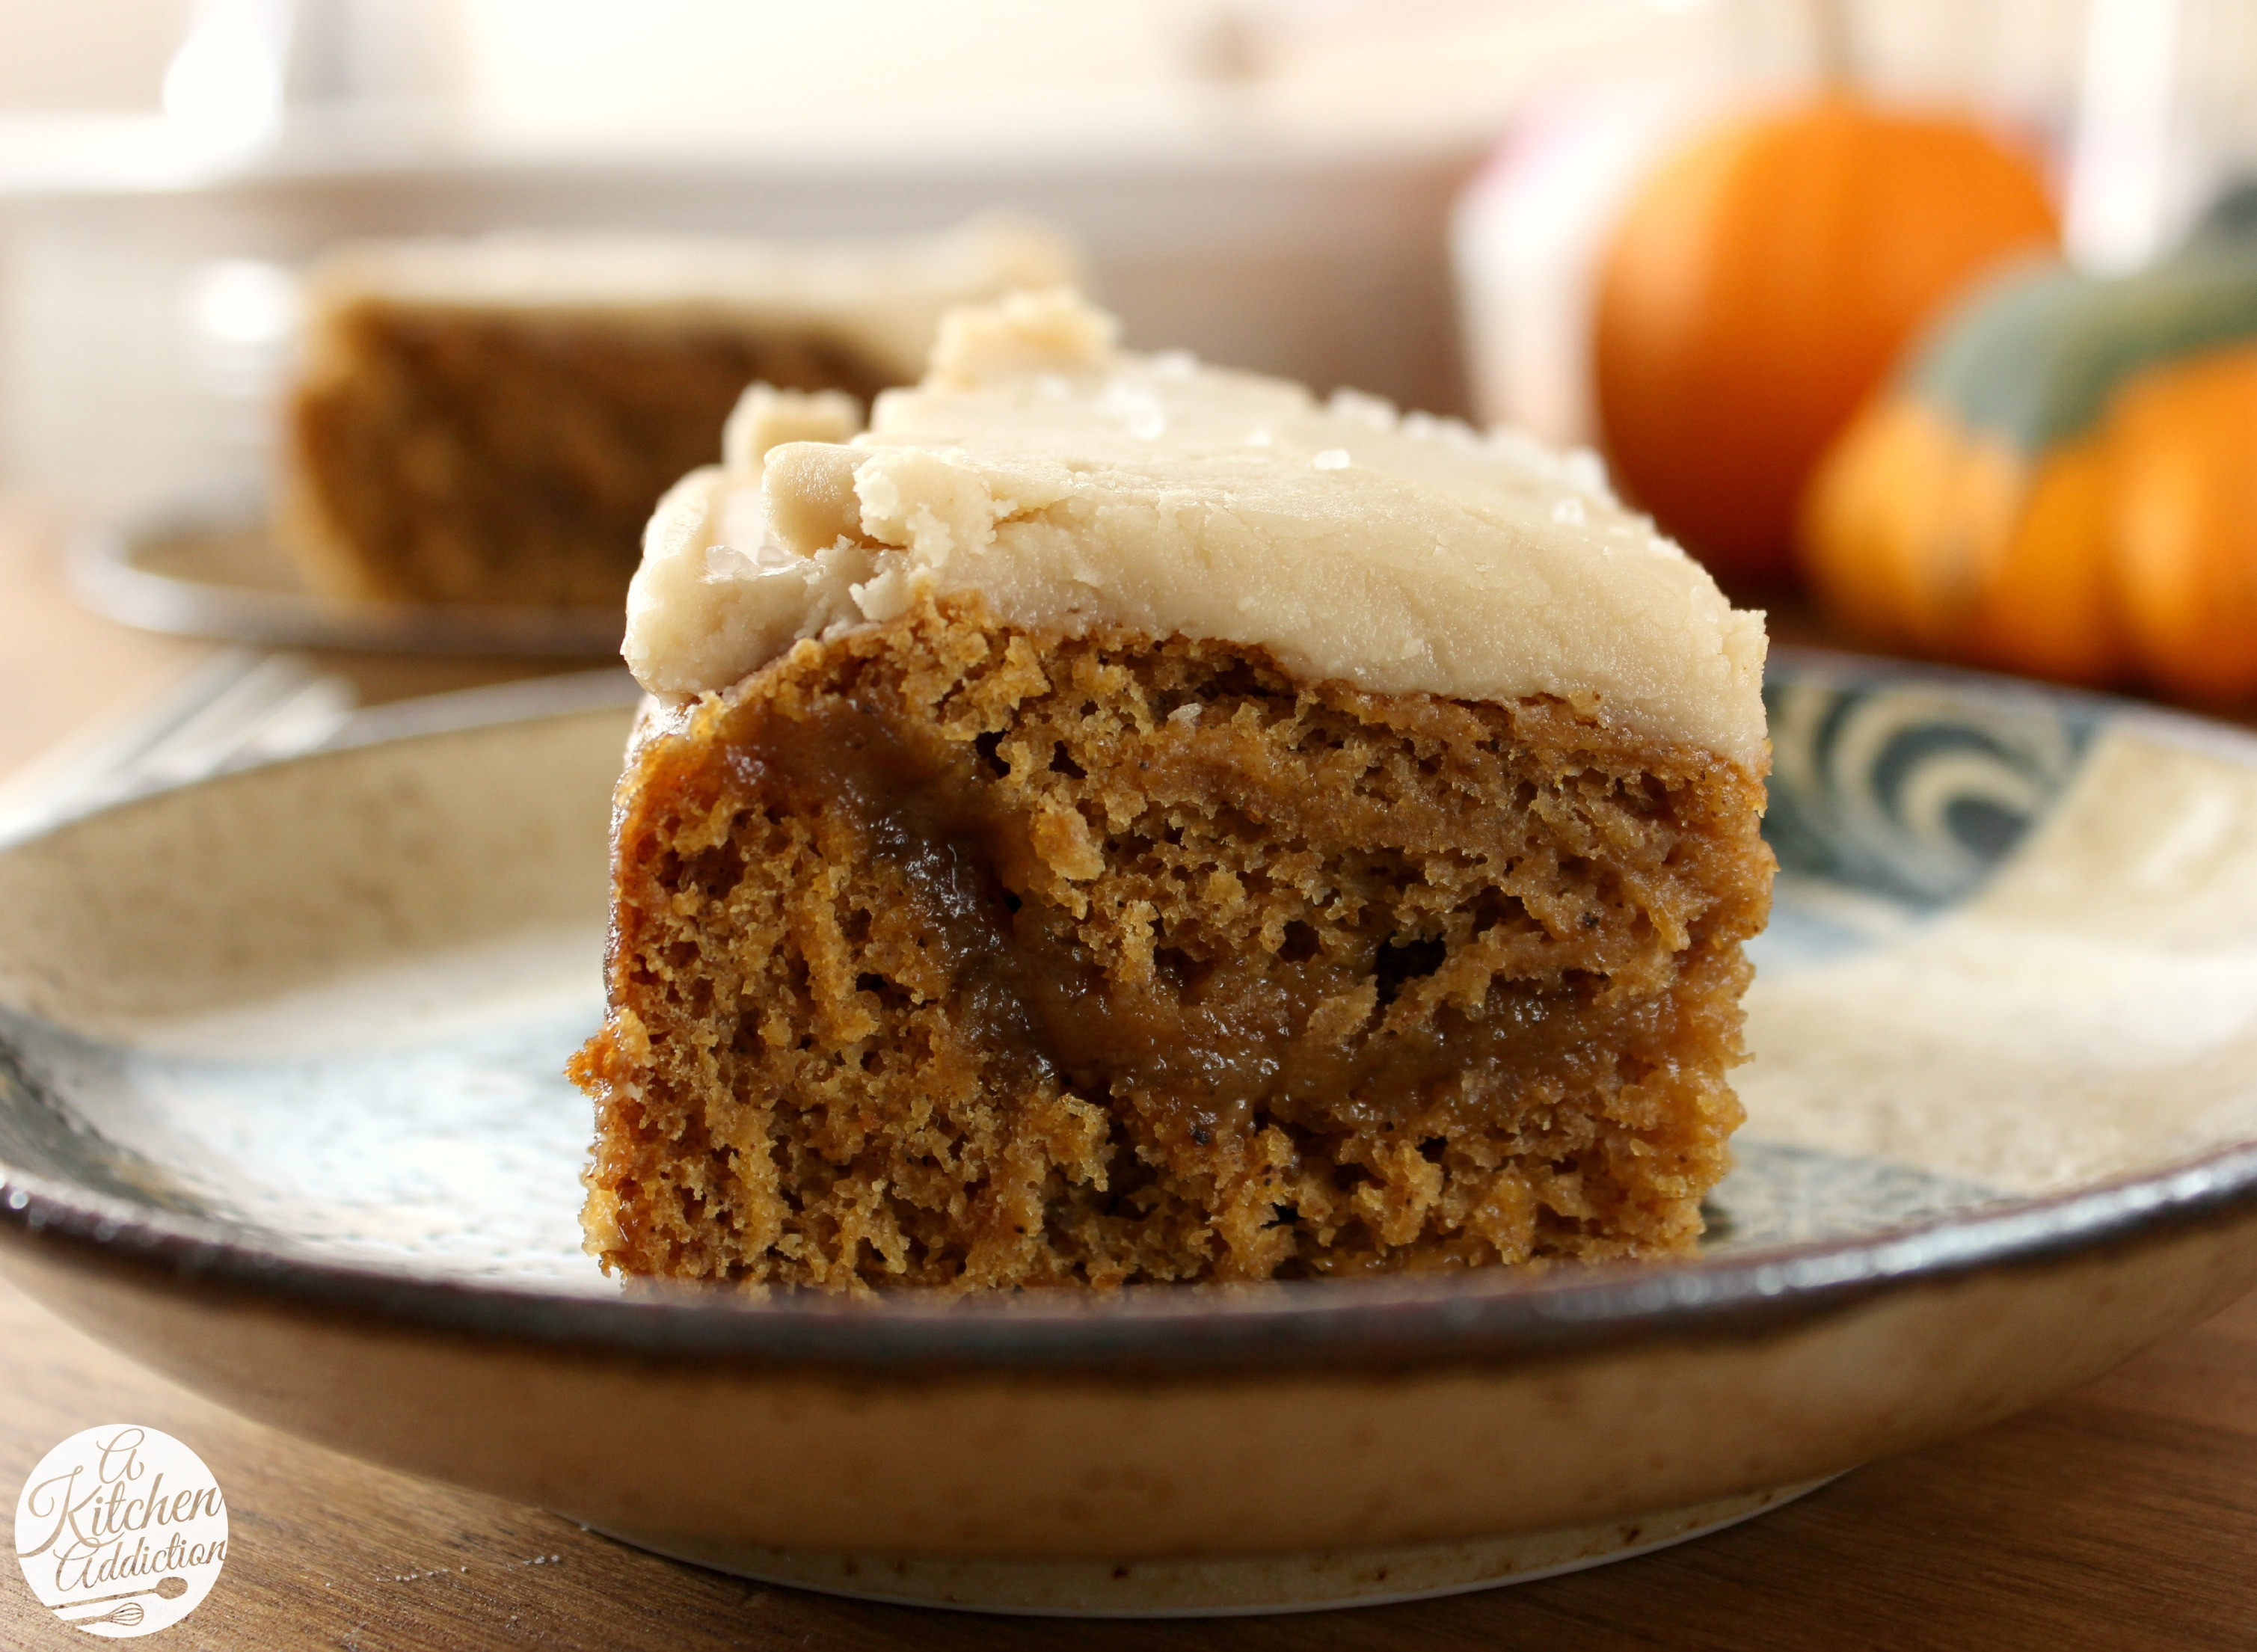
2123,1516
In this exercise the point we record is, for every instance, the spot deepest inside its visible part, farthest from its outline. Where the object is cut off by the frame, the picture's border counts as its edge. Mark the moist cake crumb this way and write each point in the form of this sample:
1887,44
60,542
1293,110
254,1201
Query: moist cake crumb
947,953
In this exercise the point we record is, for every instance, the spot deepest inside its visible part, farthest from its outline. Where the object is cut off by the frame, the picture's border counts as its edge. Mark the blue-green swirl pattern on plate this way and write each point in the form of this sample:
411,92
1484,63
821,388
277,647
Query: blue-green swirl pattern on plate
1907,786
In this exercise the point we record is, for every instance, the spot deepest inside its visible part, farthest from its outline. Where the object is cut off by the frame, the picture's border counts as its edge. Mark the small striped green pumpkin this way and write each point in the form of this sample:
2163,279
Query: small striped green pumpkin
2063,480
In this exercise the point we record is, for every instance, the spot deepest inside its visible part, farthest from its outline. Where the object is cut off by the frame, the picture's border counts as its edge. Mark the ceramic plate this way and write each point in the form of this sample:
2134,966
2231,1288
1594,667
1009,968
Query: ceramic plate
281,1116
218,574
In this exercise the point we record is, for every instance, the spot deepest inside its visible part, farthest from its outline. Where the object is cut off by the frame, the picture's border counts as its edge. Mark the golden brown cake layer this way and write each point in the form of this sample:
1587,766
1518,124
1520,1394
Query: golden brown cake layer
450,454
951,955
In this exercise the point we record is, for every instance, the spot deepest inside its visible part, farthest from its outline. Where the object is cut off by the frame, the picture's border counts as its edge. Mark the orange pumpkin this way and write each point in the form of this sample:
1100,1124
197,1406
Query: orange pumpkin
1761,284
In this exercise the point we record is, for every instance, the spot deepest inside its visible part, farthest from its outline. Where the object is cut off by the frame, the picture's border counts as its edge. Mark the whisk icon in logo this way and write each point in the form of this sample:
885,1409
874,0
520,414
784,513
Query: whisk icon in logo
120,1530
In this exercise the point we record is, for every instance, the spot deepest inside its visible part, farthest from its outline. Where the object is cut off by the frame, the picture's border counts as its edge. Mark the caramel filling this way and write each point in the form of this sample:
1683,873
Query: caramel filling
1202,1048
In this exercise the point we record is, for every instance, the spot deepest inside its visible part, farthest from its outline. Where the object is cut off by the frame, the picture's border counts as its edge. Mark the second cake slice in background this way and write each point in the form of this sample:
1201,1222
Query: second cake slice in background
491,421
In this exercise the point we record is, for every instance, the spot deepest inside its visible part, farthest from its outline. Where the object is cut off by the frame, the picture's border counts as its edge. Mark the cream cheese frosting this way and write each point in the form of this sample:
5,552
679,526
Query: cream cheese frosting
1070,484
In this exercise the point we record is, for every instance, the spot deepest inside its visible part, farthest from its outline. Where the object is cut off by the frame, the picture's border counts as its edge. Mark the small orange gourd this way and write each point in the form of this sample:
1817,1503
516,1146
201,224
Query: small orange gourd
1760,285
2182,524
2063,482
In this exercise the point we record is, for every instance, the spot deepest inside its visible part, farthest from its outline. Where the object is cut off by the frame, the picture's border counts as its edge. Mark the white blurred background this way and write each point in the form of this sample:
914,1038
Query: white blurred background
1403,195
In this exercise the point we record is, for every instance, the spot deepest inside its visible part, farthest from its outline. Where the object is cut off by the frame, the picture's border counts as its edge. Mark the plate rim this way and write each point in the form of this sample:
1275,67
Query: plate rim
1315,1328
103,565
1312,1328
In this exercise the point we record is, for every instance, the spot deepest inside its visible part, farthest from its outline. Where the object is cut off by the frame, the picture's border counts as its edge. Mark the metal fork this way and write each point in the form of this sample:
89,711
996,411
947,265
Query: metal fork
240,706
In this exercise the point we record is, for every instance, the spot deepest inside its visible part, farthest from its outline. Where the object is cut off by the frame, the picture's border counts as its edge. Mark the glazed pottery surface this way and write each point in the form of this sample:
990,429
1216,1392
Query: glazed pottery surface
218,573
281,1115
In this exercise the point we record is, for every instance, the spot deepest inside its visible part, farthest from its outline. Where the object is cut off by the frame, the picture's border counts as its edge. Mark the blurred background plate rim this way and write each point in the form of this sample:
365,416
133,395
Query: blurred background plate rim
1339,1326
108,573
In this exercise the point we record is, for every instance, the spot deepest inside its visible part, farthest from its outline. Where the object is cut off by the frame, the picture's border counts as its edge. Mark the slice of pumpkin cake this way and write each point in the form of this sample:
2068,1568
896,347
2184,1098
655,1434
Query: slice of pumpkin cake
1120,820
491,420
